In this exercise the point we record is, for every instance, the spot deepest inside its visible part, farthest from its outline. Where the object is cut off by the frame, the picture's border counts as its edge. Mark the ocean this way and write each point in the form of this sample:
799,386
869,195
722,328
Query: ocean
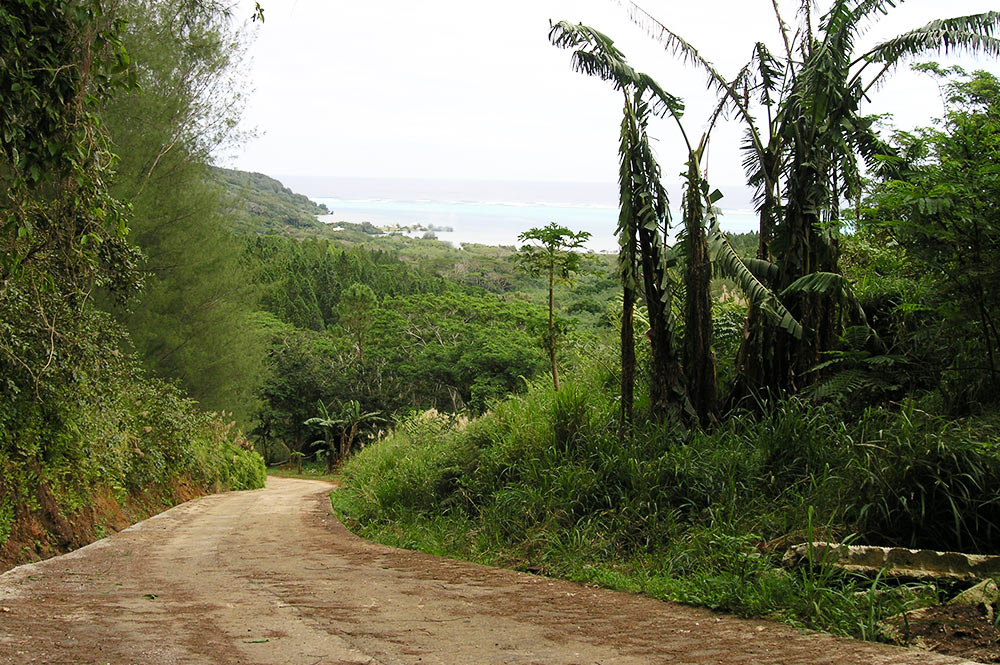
484,212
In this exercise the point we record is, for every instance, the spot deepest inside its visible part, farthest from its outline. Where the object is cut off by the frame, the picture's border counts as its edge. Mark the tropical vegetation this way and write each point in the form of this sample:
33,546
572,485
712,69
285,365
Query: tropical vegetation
847,394
80,419
670,424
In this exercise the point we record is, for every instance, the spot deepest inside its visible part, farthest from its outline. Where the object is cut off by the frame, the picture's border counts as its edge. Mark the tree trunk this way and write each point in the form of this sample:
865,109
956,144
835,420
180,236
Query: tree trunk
772,361
552,330
699,361
758,344
666,386
628,364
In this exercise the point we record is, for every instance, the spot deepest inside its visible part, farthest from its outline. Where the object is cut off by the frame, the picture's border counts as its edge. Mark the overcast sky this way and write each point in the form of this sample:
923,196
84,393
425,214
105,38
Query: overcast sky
473,90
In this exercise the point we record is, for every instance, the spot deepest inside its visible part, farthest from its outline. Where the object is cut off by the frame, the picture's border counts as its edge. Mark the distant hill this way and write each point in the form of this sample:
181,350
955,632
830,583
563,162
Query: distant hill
261,204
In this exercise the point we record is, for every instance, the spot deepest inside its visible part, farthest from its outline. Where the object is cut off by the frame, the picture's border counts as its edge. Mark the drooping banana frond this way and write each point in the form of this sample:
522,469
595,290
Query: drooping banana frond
726,262
865,10
653,219
573,35
596,55
628,250
839,32
804,35
783,29
831,284
824,283
862,141
765,271
673,42
771,74
837,18
683,49
771,82
972,34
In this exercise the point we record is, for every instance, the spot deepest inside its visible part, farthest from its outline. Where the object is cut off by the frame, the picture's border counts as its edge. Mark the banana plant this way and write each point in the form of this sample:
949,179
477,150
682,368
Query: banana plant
340,429
805,158
682,375
643,219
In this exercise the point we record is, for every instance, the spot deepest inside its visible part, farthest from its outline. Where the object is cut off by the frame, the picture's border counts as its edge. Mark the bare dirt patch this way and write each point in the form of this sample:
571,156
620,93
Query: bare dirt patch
269,576
957,630
45,530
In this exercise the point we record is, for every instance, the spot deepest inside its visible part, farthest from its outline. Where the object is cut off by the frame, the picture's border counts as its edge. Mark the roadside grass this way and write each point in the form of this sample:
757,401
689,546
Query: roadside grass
542,484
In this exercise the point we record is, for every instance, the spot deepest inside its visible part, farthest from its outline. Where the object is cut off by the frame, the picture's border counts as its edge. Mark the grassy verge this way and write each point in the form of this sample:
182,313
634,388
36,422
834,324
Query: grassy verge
542,483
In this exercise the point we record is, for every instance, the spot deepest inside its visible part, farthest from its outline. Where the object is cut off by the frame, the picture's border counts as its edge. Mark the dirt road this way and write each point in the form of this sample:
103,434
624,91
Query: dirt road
269,576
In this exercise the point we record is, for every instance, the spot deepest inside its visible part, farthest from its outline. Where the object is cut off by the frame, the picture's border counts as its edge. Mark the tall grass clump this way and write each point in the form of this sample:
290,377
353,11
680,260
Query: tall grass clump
543,483
925,481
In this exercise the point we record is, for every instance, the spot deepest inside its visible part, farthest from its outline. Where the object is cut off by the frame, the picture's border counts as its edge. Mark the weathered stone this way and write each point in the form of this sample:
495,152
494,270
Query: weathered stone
897,562
985,593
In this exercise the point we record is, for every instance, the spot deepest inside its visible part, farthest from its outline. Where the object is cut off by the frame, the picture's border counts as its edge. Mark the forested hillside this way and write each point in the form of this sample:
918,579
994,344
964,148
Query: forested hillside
109,244
256,203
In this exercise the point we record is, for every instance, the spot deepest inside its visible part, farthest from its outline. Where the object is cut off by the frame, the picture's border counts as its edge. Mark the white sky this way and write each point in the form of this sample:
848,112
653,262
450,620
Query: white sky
461,89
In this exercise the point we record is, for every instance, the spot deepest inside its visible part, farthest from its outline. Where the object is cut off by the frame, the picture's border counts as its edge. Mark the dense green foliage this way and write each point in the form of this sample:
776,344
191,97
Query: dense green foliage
542,483
459,347
109,428
77,417
301,281
61,60
940,212
190,324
